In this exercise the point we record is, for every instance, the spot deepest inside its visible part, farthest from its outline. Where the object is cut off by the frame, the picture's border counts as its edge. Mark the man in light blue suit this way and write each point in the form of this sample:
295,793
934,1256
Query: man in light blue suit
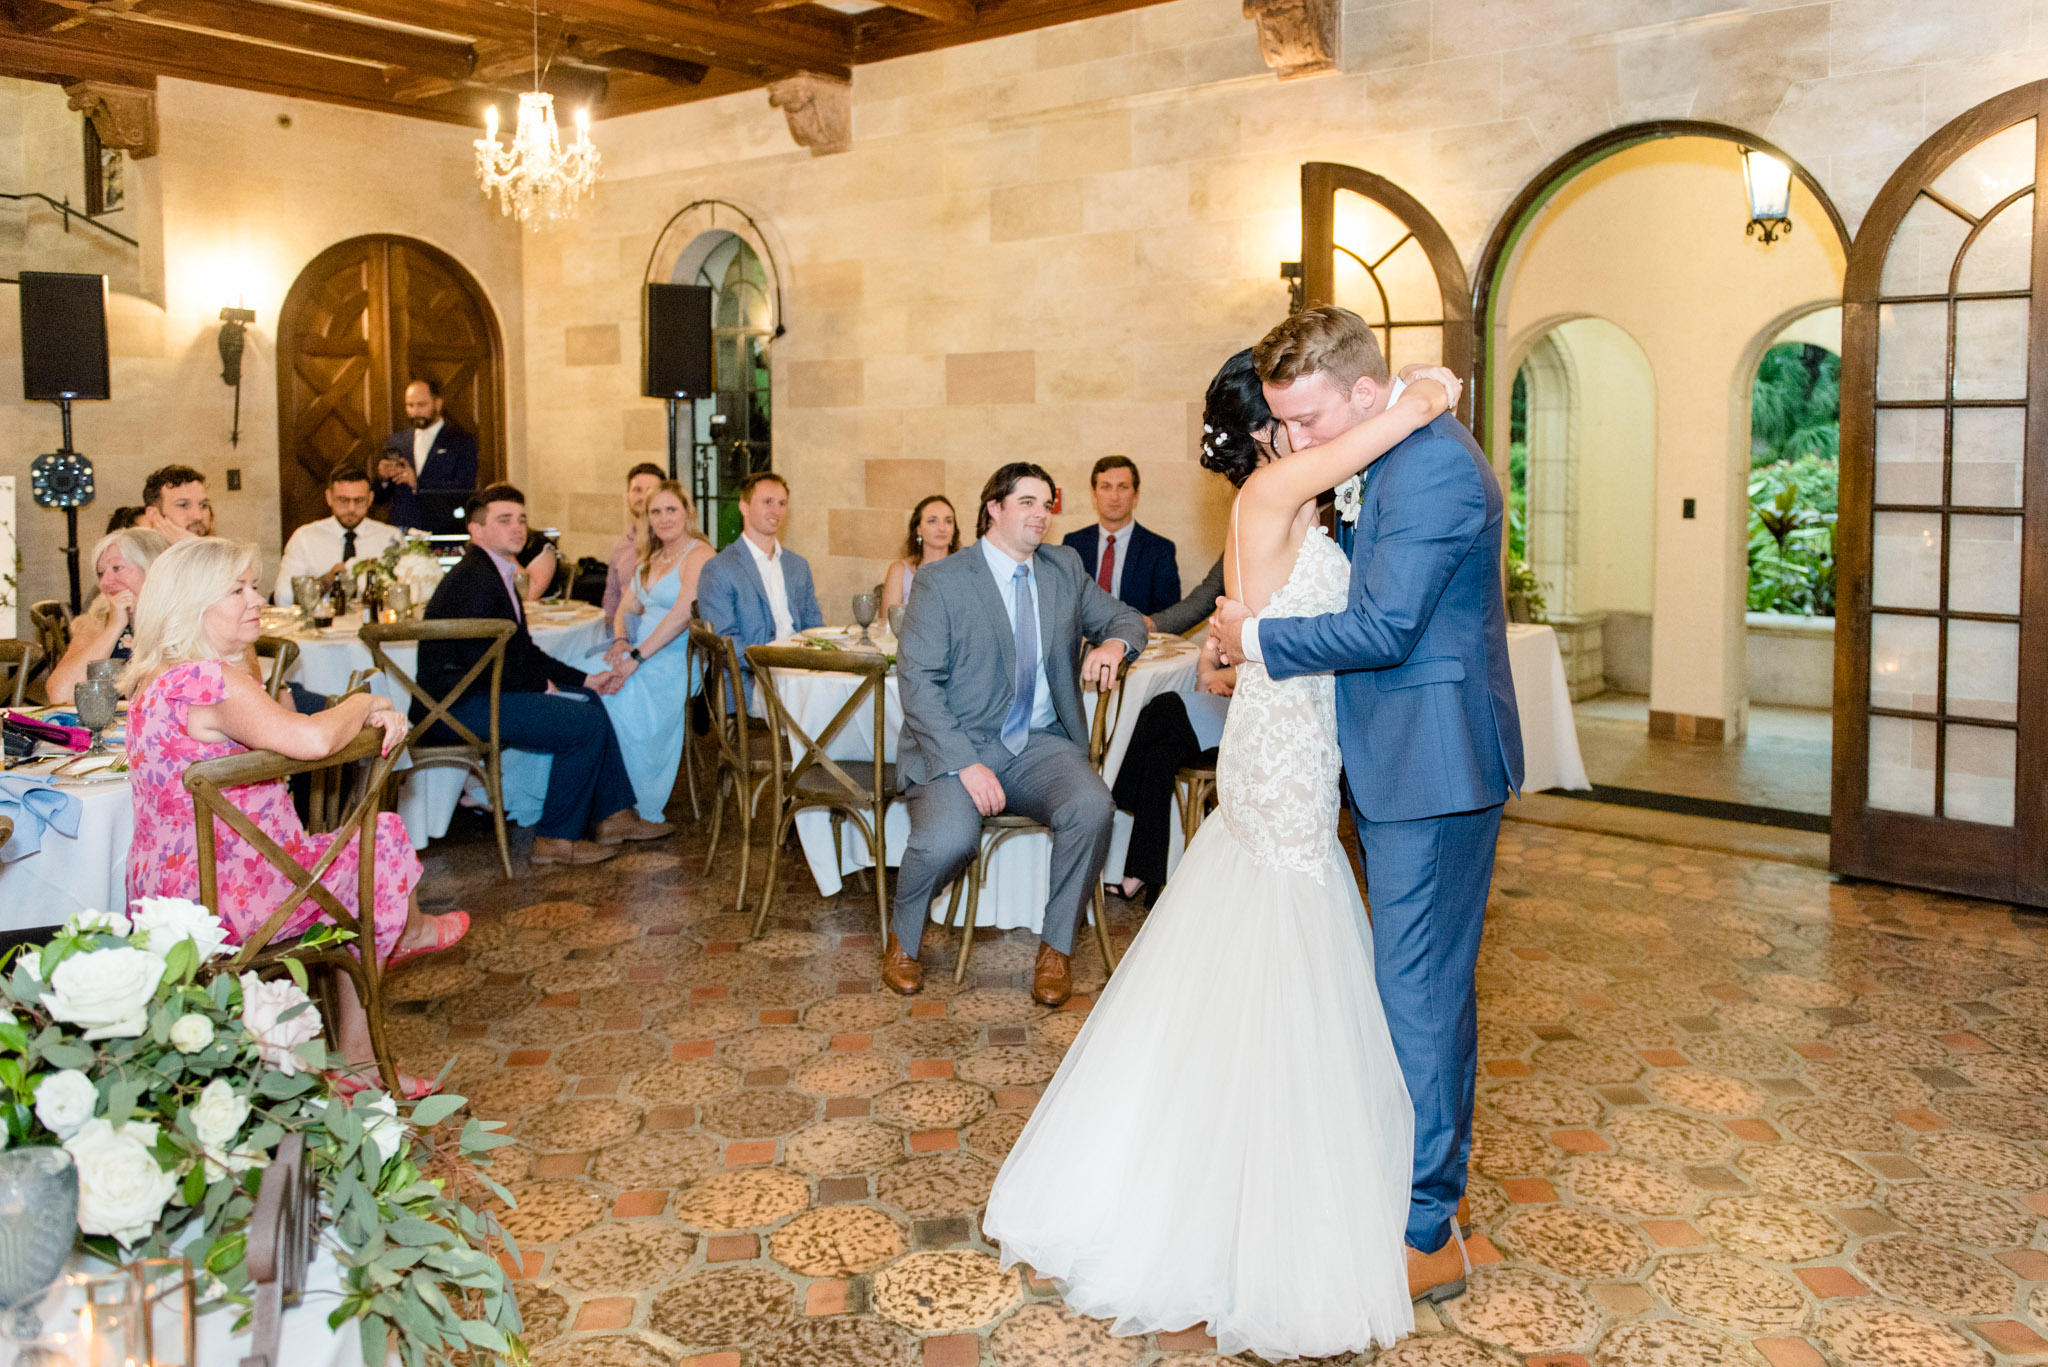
1427,722
754,590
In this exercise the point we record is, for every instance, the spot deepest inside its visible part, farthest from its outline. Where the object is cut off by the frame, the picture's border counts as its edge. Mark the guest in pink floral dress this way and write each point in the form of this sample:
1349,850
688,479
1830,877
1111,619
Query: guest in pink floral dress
200,607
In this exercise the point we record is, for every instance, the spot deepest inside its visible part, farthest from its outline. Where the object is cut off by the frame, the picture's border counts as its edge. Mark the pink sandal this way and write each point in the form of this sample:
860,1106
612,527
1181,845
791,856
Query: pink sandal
449,928
347,1085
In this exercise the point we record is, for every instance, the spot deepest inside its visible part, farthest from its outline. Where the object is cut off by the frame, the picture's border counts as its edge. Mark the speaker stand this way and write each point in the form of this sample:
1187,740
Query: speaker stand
70,516
675,402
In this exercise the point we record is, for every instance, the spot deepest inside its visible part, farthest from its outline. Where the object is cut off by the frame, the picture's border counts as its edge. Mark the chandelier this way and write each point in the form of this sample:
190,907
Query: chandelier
539,181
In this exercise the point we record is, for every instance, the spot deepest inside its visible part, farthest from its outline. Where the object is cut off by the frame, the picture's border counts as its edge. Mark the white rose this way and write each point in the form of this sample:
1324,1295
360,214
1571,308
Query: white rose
191,1032
32,960
65,1101
121,1187
160,922
219,1113
262,1004
106,991
387,1131
97,922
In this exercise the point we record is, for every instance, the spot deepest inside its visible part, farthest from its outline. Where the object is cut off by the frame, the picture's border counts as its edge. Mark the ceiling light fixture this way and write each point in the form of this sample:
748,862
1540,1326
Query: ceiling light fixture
538,180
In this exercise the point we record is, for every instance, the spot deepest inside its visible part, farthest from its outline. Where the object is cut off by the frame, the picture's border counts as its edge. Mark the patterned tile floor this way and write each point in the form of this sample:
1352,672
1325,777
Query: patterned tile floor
1728,1113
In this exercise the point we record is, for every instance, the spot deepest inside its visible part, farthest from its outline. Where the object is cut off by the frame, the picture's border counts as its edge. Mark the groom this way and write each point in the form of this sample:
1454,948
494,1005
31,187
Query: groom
1426,719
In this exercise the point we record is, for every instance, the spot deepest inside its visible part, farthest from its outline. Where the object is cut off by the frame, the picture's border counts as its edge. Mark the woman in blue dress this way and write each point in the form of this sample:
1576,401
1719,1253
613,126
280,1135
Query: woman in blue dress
650,648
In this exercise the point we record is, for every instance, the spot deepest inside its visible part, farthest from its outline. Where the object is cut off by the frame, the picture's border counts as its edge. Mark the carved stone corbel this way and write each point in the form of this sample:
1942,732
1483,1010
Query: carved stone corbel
819,110
1297,37
123,115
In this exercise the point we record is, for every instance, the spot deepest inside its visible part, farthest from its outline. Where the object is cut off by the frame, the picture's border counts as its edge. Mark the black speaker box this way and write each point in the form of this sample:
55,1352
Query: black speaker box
64,336
675,339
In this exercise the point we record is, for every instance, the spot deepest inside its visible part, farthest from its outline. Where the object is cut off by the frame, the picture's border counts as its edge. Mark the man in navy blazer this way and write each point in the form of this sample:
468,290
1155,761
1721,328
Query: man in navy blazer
1128,562
1426,718
428,467
754,590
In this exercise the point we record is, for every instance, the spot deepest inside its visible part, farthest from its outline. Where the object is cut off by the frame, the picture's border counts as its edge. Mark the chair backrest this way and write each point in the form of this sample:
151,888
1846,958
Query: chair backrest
52,620
210,781
17,662
283,653
497,630
796,752
1109,709
729,719
282,1234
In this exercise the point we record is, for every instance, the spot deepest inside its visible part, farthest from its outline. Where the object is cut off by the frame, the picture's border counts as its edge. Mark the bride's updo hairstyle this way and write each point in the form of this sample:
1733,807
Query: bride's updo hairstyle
1233,411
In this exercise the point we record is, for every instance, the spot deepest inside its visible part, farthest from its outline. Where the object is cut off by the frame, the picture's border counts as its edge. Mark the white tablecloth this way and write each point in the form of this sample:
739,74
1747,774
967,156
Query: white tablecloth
1016,892
427,800
86,872
1550,741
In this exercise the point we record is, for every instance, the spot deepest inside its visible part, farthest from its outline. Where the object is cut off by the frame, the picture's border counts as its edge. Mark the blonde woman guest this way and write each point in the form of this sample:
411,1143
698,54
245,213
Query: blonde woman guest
197,615
106,630
934,535
649,648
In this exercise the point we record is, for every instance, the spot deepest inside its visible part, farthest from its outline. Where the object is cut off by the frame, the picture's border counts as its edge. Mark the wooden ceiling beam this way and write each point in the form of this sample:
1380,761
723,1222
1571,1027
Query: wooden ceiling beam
952,13
318,34
886,33
674,70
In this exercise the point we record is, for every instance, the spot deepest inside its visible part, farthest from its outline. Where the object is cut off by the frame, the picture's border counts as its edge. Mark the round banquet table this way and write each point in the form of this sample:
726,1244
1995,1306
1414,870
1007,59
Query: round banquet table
85,872
1016,890
427,800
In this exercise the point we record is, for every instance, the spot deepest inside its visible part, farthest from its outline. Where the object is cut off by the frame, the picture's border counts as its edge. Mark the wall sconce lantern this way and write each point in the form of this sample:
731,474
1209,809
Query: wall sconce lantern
1297,288
233,322
1769,182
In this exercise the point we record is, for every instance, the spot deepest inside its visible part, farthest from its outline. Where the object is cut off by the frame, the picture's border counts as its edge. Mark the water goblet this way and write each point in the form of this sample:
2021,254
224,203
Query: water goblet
305,589
896,611
110,670
864,613
96,702
38,1225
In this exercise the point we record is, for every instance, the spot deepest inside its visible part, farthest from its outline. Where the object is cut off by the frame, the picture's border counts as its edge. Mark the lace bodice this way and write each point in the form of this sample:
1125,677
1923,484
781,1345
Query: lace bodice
1277,767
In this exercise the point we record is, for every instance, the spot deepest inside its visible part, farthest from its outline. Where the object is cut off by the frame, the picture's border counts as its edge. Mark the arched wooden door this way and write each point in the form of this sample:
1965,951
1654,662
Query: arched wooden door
1372,247
365,318
1941,648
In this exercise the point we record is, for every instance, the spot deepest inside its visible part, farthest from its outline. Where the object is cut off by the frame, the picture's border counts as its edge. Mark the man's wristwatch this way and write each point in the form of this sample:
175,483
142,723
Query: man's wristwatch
638,658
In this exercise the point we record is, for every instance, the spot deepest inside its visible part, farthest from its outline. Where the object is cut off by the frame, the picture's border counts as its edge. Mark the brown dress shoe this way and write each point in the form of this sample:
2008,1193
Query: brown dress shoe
547,850
1051,983
1437,1276
901,971
625,824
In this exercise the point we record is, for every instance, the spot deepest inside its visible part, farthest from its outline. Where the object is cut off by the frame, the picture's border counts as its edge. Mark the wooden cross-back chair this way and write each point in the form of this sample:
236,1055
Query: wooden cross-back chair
744,756
855,790
1000,829
18,661
283,1232
51,618
210,783
283,654
478,754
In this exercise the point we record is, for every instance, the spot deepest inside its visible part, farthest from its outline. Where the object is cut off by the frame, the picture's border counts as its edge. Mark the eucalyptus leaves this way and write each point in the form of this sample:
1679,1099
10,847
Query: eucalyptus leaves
172,1083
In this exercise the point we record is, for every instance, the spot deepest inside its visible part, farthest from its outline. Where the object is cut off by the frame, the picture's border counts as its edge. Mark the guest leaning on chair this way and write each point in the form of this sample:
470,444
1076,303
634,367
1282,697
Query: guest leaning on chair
106,630
198,612
934,535
650,649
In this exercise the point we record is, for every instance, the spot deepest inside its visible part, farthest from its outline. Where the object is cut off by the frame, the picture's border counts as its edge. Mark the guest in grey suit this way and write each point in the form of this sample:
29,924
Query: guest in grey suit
989,666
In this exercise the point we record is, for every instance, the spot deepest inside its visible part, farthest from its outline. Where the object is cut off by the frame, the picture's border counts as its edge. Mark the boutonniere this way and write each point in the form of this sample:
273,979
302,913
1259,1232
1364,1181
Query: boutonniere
1350,494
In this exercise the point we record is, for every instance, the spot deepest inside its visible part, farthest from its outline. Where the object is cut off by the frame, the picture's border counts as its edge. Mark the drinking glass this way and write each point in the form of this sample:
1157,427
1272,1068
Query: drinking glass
864,613
110,670
96,701
896,620
305,589
38,1224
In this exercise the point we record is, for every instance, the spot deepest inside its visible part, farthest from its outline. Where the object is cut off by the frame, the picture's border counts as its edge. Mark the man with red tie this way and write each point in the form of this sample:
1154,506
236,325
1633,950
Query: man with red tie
1129,562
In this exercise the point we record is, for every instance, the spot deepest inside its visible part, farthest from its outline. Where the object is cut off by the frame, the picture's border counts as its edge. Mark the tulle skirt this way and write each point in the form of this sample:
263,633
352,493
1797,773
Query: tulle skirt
1229,1140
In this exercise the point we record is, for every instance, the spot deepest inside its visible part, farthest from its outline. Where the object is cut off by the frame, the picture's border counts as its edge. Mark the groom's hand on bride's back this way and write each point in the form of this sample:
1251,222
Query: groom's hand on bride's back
1226,630
984,789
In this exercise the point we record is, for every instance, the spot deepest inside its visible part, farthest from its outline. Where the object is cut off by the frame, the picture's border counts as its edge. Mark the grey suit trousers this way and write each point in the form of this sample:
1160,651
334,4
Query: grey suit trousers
1052,783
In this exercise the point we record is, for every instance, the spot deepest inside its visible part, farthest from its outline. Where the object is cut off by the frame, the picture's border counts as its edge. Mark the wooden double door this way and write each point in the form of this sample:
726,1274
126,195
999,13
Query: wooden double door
364,319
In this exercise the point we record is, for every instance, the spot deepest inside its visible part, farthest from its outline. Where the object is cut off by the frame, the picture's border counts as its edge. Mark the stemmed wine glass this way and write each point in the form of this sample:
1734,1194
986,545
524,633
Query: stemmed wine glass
896,620
38,1225
864,613
96,702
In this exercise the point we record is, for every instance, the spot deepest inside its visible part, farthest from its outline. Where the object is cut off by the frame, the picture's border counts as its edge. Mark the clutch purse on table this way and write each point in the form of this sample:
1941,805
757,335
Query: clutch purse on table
21,733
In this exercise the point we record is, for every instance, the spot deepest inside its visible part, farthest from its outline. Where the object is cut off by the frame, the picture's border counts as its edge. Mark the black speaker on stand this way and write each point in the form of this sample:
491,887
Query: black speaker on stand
675,344
64,357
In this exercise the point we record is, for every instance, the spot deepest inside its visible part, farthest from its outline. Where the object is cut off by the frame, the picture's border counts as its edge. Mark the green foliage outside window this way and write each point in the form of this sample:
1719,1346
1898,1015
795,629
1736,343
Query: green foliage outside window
1795,440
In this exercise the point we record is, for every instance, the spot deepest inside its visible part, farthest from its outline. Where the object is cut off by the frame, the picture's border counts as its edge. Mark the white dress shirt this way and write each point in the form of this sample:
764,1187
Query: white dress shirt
1043,713
316,548
769,563
423,446
1103,538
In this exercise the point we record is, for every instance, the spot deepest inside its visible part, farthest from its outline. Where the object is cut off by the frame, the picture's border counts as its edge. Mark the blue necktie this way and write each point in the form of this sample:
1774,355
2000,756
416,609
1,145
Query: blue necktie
1017,726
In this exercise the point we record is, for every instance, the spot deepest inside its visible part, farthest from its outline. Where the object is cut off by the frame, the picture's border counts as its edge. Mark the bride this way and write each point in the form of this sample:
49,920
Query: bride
1229,1139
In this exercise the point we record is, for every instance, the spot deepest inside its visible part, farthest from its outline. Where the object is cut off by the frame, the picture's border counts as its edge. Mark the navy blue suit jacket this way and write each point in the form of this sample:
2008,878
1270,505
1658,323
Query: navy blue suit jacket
451,469
1151,575
1425,704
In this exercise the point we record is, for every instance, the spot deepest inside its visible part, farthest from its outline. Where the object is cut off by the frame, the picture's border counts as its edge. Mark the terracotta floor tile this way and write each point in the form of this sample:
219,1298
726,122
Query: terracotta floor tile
934,1141
560,1165
845,1043
1185,1341
1507,1067
1963,1042
637,1203
846,1107
2030,1263
526,1058
749,1152
1527,1190
1790,1352
1664,1058
1755,1131
1829,1282
1579,1141
1672,1233
670,1118
924,1010
952,1350
921,1068
1481,1251
1919,1118
2012,1338
731,1248
778,1017
1622,1298
826,1298
711,1360
693,1048
833,1191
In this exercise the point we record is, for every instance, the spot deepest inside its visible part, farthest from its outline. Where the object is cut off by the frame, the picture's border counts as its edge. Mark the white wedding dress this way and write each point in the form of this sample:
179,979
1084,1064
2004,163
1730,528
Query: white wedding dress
1229,1140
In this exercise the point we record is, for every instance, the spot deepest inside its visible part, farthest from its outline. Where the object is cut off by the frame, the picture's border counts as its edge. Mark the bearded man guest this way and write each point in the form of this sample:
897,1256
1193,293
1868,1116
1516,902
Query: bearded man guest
428,468
324,549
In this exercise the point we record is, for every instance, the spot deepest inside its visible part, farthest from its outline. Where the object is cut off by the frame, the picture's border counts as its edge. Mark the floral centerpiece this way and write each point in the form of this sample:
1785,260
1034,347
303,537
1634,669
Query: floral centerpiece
411,563
172,1083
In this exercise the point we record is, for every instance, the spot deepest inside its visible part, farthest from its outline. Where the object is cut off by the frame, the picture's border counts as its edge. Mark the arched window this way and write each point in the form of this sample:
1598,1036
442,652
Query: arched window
732,434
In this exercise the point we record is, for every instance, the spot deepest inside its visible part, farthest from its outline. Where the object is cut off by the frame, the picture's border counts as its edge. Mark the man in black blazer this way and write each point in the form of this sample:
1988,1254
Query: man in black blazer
1127,561
544,705
428,467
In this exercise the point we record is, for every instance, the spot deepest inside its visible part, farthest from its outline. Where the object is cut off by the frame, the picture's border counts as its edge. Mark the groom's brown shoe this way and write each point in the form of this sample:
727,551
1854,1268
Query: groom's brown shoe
1437,1276
1051,983
901,971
